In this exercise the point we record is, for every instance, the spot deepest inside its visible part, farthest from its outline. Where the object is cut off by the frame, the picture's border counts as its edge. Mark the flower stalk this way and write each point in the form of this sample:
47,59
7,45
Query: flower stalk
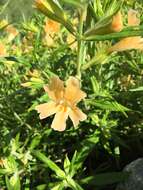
81,48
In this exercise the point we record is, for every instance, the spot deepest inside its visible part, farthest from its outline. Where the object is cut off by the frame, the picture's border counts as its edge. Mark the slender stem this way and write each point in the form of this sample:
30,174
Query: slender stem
80,43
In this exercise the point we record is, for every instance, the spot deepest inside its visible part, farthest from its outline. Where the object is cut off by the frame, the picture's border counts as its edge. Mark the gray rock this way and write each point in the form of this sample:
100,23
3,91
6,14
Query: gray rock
135,179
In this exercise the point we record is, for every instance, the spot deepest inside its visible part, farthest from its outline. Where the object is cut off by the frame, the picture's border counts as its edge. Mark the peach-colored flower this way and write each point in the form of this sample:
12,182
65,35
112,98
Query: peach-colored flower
129,42
12,32
51,29
117,23
1,162
2,50
71,41
63,103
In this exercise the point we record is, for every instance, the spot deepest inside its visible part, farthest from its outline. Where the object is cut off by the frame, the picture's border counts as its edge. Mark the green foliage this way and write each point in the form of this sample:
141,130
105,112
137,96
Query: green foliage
92,155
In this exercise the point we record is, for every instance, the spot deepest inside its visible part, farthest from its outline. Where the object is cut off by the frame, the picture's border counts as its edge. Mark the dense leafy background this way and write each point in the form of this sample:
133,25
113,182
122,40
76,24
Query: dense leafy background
91,156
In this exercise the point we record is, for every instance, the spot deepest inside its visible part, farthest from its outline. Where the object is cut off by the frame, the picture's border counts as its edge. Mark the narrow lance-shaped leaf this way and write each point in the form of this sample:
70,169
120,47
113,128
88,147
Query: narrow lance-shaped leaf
60,173
86,147
74,3
109,104
104,25
71,183
67,165
8,185
13,183
109,178
128,32
54,12
137,89
59,186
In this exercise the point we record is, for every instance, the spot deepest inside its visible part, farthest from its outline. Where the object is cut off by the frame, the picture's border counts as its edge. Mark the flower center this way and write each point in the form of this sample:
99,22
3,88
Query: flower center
65,103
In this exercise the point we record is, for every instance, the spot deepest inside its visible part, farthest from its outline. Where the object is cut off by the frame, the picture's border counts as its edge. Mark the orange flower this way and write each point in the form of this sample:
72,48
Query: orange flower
12,32
117,23
51,28
63,103
129,42
3,52
1,162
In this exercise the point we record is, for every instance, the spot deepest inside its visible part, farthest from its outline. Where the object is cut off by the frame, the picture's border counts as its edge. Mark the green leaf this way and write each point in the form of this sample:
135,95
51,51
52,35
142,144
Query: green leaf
56,8
3,171
52,10
71,183
60,173
109,104
67,165
120,141
13,183
8,185
128,32
74,3
100,58
10,165
137,89
15,180
97,5
87,146
35,142
113,7
105,178
103,25
95,85
59,186
41,187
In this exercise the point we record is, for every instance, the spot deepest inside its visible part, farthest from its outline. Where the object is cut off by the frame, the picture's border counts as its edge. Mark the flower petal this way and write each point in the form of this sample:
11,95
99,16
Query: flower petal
51,27
117,23
127,44
73,94
77,115
59,122
2,50
48,40
46,109
132,18
55,89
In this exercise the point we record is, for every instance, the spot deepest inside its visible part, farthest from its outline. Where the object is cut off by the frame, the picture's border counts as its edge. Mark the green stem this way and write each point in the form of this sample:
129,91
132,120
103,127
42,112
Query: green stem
80,44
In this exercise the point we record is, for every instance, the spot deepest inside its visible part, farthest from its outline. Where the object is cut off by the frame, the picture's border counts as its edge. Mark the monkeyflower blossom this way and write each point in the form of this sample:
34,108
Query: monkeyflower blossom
117,24
129,42
63,103
12,32
3,52
51,29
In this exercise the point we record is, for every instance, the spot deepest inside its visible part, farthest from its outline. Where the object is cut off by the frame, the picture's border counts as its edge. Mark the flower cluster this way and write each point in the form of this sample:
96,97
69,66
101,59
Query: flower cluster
129,42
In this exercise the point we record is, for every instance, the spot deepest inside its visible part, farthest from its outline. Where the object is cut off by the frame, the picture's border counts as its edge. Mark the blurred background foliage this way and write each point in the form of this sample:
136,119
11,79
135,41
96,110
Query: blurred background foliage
16,10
